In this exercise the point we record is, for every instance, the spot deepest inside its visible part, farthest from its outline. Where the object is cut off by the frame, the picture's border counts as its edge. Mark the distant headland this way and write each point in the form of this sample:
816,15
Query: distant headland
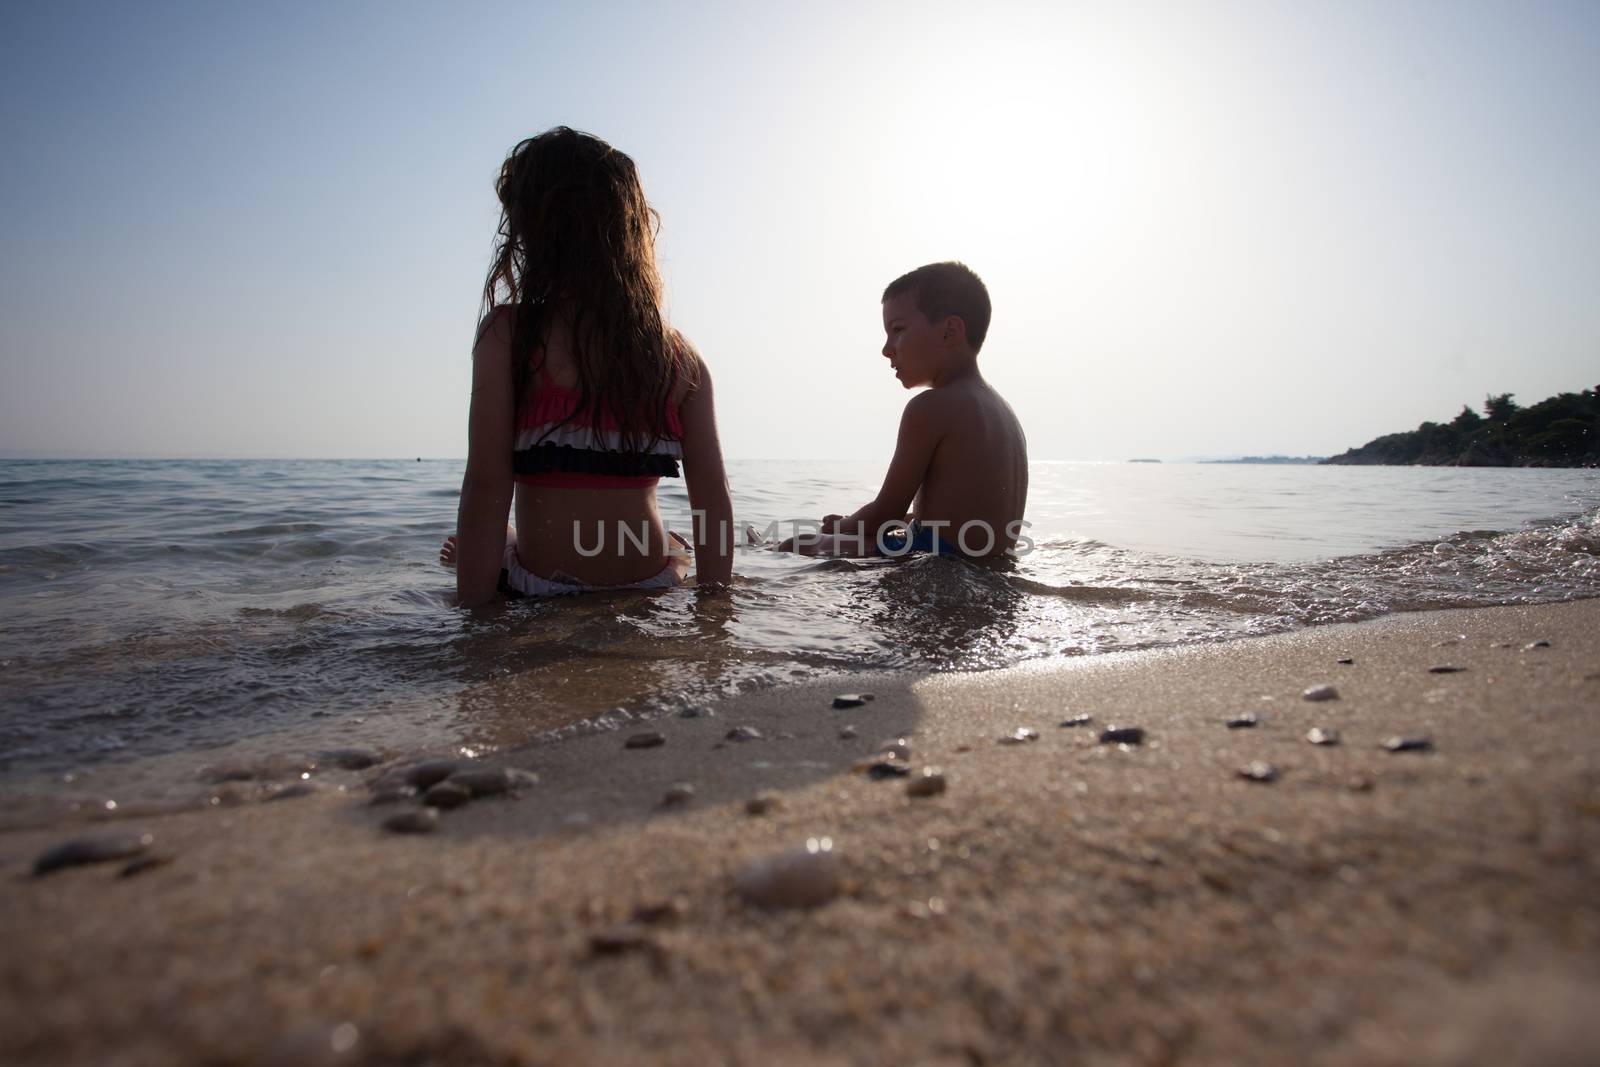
1269,459
1563,431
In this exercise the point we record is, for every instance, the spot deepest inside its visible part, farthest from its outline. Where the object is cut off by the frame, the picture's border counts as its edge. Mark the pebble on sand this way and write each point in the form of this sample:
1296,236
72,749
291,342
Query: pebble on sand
1122,735
762,803
851,700
447,794
1344,661
1319,736
1076,720
1321,692
698,711
490,781
1259,771
930,783
95,848
1020,736
652,739
1400,743
1245,721
414,821
351,759
1531,645
799,878
677,793
1446,668
624,937
887,768
743,733
847,733
429,772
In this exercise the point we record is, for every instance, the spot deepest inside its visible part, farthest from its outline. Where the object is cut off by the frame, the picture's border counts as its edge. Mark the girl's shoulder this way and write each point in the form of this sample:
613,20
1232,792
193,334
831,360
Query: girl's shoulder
690,368
497,325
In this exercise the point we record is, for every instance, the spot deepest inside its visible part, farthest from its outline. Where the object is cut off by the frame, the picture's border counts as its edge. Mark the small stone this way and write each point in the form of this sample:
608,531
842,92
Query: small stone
762,803
350,759
1446,668
698,711
446,795
666,910
743,733
652,739
1122,735
296,789
1246,721
1020,736
1345,660
413,821
847,733
484,781
614,940
1531,645
887,768
1076,721
677,793
930,783
1359,783
1259,772
851,700
392,794
800,878
422,775
147,862
1408,744
1318,736
1321,692
95,848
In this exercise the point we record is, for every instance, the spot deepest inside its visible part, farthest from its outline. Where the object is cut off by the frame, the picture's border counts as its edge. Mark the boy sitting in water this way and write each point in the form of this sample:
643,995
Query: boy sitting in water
961,463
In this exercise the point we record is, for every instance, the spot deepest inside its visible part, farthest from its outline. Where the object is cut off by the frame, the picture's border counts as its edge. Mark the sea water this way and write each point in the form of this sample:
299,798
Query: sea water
171,607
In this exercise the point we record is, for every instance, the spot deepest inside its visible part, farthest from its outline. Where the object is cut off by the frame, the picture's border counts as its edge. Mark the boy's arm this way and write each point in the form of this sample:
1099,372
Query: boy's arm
486,489
920,432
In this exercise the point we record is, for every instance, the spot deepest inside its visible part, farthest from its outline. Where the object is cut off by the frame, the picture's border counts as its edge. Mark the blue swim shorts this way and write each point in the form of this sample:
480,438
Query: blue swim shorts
916,539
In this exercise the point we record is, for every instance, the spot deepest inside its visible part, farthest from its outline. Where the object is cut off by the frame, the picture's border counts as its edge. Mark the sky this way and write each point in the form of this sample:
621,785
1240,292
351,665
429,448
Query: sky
1207,228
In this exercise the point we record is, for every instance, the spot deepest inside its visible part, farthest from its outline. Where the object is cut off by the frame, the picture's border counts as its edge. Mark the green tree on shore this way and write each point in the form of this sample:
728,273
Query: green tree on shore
1563,431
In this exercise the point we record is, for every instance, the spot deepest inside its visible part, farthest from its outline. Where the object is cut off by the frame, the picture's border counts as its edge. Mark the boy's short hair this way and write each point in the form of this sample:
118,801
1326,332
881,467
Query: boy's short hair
950,288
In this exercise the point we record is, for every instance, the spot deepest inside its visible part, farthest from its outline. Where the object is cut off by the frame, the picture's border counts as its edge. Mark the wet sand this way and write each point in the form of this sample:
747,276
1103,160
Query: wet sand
1064,900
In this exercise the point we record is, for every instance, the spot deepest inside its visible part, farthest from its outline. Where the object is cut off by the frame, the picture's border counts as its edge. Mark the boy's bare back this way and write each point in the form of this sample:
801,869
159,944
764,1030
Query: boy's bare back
978,471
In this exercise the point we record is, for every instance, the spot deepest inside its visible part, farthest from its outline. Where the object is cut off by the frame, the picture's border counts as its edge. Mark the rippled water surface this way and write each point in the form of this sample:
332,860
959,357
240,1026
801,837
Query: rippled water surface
169,606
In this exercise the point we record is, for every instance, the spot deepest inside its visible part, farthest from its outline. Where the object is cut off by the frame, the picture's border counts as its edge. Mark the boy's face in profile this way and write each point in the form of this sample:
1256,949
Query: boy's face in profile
912,343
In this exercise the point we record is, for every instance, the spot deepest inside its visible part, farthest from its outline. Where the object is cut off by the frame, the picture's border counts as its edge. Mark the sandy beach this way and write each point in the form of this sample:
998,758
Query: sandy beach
1063,900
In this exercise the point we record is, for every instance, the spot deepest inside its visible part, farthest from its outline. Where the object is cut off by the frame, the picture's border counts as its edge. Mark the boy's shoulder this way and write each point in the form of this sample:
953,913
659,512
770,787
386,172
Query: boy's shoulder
957,396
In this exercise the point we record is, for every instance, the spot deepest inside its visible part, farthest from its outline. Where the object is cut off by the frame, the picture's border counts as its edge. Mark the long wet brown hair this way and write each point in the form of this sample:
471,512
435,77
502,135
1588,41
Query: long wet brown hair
577,237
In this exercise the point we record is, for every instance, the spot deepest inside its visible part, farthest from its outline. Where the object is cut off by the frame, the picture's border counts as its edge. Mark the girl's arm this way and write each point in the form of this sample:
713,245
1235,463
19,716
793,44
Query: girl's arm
708,484
486,488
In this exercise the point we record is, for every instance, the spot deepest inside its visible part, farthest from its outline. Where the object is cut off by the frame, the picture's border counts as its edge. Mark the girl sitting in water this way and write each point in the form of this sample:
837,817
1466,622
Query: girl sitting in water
583,397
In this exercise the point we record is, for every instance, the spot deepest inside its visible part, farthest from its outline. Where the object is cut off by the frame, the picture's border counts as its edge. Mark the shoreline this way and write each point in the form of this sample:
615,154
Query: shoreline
1062,898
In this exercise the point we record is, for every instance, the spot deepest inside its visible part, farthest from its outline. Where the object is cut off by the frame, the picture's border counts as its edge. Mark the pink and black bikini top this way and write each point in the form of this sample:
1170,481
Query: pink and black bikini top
559,449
